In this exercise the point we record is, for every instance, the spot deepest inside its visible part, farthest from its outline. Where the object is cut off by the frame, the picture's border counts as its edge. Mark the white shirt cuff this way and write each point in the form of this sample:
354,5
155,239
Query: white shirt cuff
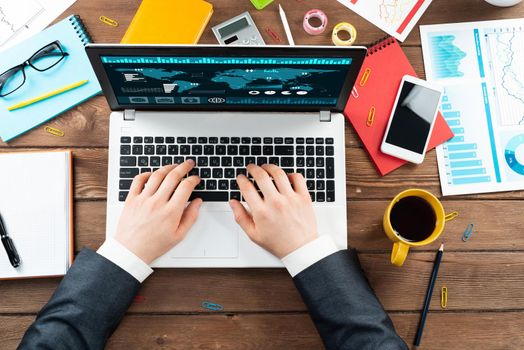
121,256
307,255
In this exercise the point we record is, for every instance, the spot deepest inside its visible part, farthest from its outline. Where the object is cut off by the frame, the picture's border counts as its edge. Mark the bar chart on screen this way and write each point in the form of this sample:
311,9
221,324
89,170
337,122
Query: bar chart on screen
480,65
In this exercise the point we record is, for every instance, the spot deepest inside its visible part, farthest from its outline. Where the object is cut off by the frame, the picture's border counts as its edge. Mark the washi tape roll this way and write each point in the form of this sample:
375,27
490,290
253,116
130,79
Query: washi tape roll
344,27
315,13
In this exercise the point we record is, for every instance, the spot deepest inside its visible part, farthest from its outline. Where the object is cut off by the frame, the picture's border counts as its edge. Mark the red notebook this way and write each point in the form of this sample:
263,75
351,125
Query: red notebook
386,64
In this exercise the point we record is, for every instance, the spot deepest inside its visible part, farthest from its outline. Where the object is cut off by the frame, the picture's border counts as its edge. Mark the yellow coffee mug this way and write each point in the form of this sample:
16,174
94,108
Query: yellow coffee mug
400,244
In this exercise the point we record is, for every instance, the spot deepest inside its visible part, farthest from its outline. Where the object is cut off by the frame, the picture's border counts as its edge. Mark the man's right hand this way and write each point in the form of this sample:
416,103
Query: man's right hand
280,221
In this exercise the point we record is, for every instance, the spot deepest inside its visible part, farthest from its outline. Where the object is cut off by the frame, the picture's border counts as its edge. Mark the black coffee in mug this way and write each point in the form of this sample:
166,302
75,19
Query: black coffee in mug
413,218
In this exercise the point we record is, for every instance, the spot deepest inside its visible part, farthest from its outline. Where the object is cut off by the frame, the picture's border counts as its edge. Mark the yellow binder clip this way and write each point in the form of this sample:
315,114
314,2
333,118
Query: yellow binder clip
109,21
54,131
444,297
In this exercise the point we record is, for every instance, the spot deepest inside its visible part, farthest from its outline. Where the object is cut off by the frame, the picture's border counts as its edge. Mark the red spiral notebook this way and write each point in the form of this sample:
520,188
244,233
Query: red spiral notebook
386,64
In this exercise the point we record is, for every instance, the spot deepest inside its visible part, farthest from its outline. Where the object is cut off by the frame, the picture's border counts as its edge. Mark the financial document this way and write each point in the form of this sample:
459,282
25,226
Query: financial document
395,17
480,65
19,19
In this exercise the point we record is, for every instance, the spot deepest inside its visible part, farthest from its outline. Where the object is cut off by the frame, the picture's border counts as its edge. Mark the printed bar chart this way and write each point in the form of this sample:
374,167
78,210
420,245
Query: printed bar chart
464,165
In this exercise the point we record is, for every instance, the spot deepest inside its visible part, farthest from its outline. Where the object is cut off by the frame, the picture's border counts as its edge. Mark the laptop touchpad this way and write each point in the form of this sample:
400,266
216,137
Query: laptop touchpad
214,235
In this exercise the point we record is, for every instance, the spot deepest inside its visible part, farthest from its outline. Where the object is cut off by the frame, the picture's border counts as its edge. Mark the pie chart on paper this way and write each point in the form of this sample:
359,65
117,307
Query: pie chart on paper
514,154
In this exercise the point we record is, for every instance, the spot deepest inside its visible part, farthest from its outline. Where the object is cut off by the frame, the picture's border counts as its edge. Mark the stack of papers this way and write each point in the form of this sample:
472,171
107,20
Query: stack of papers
481,67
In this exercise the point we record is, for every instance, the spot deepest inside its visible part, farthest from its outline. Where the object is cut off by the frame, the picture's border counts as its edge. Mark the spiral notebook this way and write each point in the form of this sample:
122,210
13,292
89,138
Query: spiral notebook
73,36
376,87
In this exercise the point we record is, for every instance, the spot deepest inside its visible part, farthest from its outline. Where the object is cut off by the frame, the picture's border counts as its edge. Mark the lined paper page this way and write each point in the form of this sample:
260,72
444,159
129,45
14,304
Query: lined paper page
34,204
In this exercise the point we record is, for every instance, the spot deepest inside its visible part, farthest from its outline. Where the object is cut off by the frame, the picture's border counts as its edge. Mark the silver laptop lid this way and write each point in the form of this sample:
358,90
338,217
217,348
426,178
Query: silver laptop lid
204,77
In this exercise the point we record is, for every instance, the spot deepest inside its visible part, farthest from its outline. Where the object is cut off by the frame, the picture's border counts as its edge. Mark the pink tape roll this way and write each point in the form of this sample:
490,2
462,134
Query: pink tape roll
315,13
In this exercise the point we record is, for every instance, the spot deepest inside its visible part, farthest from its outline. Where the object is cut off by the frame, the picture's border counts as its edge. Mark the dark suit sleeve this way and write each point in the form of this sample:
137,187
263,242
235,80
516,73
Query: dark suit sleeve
86,308
343,306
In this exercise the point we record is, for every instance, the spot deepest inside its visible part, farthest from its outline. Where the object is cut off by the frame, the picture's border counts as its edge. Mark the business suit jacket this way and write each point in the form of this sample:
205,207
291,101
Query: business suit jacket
94,295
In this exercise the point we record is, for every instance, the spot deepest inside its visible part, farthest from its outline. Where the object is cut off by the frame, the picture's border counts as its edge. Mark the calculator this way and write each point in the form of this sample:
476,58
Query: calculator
239,30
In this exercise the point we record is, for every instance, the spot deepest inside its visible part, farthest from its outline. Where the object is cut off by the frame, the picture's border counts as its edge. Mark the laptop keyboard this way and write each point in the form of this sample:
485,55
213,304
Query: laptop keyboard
220,159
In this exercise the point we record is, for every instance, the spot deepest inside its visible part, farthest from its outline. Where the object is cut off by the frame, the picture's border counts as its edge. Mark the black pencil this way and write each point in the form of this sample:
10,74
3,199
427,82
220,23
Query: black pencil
429,292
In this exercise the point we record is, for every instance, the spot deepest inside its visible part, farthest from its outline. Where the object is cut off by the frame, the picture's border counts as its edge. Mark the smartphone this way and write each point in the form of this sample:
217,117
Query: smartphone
412,119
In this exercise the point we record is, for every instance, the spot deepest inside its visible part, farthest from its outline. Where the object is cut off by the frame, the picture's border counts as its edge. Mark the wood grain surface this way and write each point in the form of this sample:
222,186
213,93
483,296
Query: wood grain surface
262,309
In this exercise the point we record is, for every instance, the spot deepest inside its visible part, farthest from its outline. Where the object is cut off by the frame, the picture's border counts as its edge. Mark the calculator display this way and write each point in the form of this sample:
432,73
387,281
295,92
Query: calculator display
233,27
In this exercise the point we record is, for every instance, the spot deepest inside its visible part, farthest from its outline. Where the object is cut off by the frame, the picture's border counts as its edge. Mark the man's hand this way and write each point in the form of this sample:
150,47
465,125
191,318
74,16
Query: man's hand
283,220
155,217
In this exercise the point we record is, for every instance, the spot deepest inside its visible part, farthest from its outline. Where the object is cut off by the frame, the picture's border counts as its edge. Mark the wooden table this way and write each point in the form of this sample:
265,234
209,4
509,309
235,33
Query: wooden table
262,309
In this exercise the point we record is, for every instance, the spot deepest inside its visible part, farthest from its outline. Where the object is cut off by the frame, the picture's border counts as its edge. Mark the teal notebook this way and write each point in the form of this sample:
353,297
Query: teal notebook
73,68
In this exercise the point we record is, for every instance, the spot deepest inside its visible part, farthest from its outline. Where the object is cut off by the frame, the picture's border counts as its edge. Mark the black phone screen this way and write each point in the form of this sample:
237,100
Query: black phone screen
413,116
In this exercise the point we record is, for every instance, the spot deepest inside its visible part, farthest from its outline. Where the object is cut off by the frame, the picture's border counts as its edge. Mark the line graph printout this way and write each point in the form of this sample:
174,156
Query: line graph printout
15,15
395,17
19,19
480,65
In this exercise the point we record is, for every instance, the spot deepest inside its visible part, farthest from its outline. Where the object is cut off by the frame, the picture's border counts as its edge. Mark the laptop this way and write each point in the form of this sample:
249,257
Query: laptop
226,107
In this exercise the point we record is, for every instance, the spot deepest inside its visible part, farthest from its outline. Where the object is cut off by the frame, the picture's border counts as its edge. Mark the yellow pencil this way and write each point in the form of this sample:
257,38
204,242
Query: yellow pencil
48,95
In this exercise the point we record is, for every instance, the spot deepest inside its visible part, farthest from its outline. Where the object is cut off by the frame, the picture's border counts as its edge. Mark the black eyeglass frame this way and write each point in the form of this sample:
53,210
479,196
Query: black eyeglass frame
27,63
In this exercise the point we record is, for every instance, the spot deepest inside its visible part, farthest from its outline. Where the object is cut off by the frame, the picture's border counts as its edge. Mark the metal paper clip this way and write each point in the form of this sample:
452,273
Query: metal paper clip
371,116
54,131
273,35
354,92
467,233
212,306
108,21
365,77
444,297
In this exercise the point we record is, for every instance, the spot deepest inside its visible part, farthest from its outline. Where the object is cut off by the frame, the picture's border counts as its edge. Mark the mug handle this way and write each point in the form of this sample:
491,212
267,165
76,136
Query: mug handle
399,253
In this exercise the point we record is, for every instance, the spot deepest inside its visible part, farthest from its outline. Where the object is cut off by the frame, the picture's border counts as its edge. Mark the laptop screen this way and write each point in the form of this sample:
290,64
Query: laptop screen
226,78
162,80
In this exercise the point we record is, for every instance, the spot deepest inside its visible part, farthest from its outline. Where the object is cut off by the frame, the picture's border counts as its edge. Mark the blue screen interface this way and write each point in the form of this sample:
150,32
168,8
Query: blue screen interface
168,80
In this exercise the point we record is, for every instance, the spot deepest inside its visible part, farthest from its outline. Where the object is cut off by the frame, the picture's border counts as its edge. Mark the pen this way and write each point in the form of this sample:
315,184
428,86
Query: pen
14,259
47,95
286,26
429,292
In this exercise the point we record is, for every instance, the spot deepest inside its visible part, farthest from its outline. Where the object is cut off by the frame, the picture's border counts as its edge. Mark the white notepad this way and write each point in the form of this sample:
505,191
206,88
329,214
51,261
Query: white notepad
36,206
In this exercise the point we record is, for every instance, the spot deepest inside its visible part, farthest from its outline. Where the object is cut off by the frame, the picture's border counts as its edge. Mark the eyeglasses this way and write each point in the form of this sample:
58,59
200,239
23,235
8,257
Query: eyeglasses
44,59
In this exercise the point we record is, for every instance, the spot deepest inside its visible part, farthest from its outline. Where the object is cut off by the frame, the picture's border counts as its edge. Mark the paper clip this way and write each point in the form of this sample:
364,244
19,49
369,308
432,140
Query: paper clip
354,92
467,233
109,21
273,35
365,77
140,299
54,131
371,116
451,216
212,306
444,297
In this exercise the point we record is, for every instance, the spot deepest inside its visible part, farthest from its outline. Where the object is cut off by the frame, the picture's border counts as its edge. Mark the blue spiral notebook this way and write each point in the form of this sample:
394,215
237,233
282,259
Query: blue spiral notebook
75,67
